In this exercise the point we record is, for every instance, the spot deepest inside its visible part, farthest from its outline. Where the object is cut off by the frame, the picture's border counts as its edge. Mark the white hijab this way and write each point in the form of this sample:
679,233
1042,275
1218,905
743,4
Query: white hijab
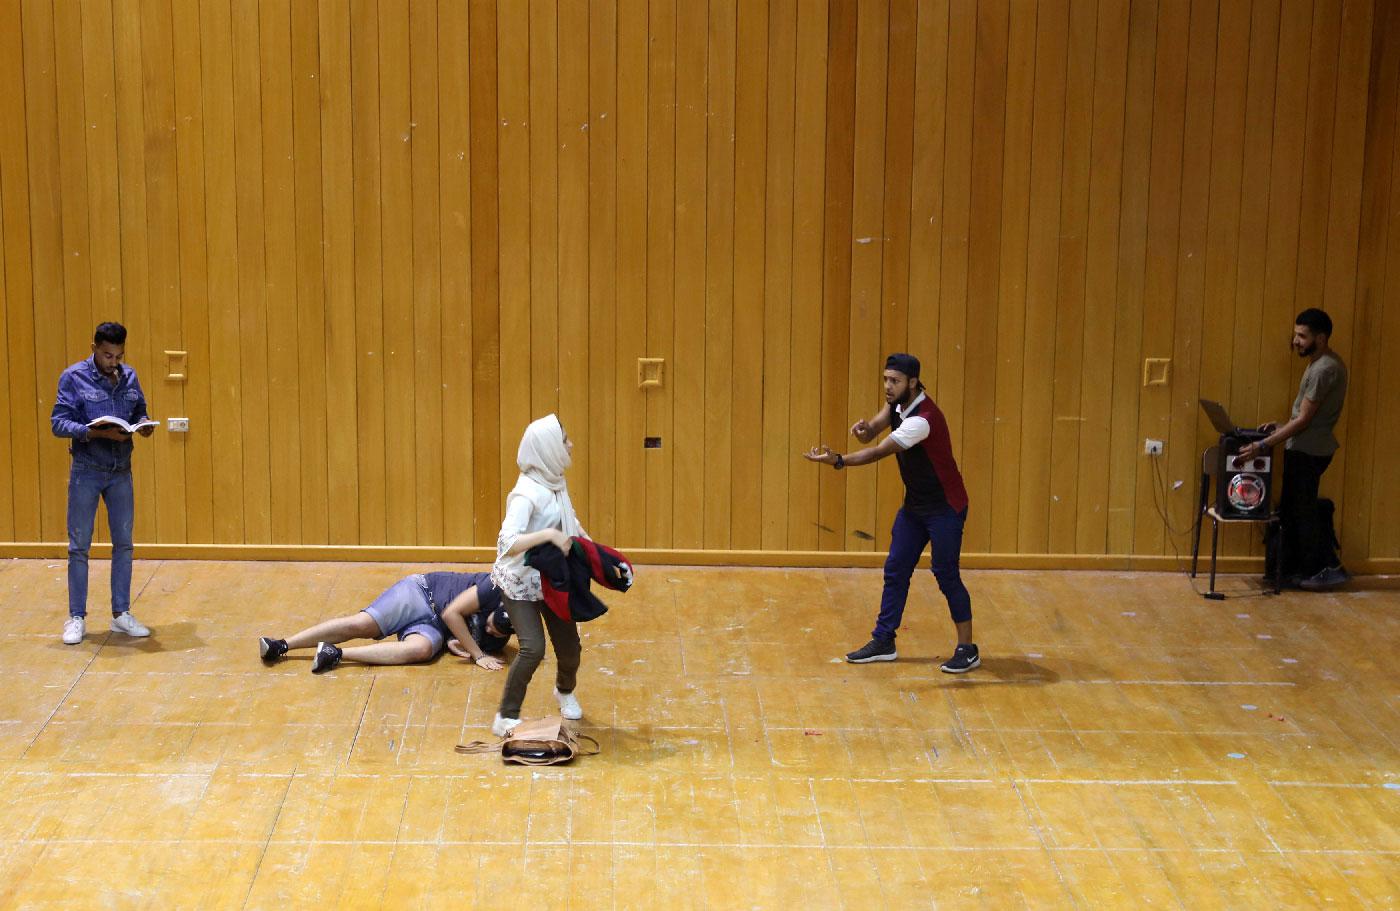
542,459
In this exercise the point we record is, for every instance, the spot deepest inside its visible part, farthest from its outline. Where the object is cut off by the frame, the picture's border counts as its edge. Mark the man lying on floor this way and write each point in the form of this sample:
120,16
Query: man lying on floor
412,609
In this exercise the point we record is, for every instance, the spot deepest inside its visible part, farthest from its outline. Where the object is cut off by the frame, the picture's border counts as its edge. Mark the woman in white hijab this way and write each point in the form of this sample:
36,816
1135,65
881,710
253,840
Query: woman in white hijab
538,511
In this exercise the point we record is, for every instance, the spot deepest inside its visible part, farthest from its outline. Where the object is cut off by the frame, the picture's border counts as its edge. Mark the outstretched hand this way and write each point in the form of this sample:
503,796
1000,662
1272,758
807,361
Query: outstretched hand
485,662
820,454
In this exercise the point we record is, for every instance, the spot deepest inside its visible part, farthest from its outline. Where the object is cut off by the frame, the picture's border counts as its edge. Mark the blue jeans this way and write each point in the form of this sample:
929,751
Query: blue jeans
908,537
85,485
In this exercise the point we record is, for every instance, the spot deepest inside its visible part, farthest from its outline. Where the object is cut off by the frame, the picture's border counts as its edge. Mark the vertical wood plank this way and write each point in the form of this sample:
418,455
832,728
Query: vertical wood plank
1067,417
809,136
898,193
48,308
750,161
1132,255
342,407
947,383
779,199
926,195
7,514
1042,270
660,264
459,423
602,265
163,230
1384,539
632,158
686,370
543,86
719,273
24,427
427,450
519,372
312,355
1254,210
1347,139
1318,126
74,195
1344,265
279,212
487,444
1222,241
984,263
836,263
1163,244
1277,363
865,247
396,207
252,275
136,241
221,220
1011,294
194,301
573,242
1183,458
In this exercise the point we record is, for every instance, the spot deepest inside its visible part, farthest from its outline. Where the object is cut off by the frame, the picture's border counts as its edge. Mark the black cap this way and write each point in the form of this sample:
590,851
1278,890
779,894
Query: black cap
906,364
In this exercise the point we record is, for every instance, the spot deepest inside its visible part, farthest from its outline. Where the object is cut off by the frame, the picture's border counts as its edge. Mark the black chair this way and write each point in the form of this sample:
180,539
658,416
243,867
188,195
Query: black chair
1210,459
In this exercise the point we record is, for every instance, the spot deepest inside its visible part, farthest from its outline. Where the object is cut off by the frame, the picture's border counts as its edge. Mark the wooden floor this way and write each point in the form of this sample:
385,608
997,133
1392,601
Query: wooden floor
1125,744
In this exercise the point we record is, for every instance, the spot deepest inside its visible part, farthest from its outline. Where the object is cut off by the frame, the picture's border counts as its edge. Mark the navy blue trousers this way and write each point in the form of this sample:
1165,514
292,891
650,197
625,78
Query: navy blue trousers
908,537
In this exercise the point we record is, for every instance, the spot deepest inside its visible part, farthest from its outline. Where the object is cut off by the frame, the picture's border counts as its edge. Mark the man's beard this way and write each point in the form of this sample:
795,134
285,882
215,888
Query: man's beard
1306,350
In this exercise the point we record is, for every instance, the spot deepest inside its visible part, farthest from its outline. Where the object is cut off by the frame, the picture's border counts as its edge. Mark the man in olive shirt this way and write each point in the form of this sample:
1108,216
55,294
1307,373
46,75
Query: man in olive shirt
1308,555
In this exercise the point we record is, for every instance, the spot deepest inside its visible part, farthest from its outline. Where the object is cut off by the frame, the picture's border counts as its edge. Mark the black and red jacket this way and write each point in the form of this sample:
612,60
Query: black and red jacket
567,580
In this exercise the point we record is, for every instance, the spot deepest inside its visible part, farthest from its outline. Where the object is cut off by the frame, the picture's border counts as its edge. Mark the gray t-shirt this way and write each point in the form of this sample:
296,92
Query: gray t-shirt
1325,382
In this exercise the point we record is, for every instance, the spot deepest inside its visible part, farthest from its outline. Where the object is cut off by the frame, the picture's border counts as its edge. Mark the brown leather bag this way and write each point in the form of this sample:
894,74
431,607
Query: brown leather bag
539,741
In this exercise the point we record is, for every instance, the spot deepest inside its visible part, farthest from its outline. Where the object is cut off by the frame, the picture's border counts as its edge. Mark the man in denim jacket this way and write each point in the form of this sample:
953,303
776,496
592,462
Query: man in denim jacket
100,386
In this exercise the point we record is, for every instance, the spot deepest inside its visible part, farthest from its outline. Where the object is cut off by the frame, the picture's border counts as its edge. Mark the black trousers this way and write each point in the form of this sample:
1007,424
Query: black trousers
1307,545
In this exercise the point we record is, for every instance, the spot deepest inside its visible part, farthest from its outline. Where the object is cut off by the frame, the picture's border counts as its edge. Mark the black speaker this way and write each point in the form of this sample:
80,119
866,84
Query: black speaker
1243,487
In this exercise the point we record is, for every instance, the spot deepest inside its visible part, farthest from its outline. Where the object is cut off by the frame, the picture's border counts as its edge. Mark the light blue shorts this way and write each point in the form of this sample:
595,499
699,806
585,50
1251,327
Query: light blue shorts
404,609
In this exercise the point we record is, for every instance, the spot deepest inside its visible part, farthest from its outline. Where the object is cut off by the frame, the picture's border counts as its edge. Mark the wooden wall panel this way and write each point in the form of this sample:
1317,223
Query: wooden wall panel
390,235
22,429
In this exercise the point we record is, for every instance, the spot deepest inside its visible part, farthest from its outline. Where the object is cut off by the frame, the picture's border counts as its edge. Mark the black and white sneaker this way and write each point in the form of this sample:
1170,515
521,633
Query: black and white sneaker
269,650
327,657
964,659
874,650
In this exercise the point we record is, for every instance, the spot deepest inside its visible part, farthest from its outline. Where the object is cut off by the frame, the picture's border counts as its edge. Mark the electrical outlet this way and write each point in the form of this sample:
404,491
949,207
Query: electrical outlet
1153,447
178,425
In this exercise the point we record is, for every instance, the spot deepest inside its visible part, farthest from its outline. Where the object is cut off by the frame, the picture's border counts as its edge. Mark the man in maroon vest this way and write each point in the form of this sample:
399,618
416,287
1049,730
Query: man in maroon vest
934,510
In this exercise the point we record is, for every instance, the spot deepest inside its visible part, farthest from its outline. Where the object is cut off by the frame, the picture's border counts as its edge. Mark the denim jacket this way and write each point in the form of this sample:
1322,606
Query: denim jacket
84,395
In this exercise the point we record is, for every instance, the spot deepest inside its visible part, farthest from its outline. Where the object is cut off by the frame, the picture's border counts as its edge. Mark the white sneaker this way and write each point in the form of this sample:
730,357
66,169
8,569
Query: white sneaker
125,623
503,726
568,705
73,630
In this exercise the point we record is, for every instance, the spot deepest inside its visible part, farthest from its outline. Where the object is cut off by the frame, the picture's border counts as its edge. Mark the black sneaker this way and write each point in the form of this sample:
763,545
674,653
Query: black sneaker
327,657
271,649
874,650
964,659
1325,579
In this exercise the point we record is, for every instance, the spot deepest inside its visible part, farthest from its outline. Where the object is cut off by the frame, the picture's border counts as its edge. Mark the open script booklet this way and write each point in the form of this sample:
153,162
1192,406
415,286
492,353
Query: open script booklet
108,420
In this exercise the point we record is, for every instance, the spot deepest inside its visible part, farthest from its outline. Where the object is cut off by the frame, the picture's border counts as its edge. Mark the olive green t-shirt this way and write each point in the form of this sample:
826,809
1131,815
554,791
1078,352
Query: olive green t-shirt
1325,382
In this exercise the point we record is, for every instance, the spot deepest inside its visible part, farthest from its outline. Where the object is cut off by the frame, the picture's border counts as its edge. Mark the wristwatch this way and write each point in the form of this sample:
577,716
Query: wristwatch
840,461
